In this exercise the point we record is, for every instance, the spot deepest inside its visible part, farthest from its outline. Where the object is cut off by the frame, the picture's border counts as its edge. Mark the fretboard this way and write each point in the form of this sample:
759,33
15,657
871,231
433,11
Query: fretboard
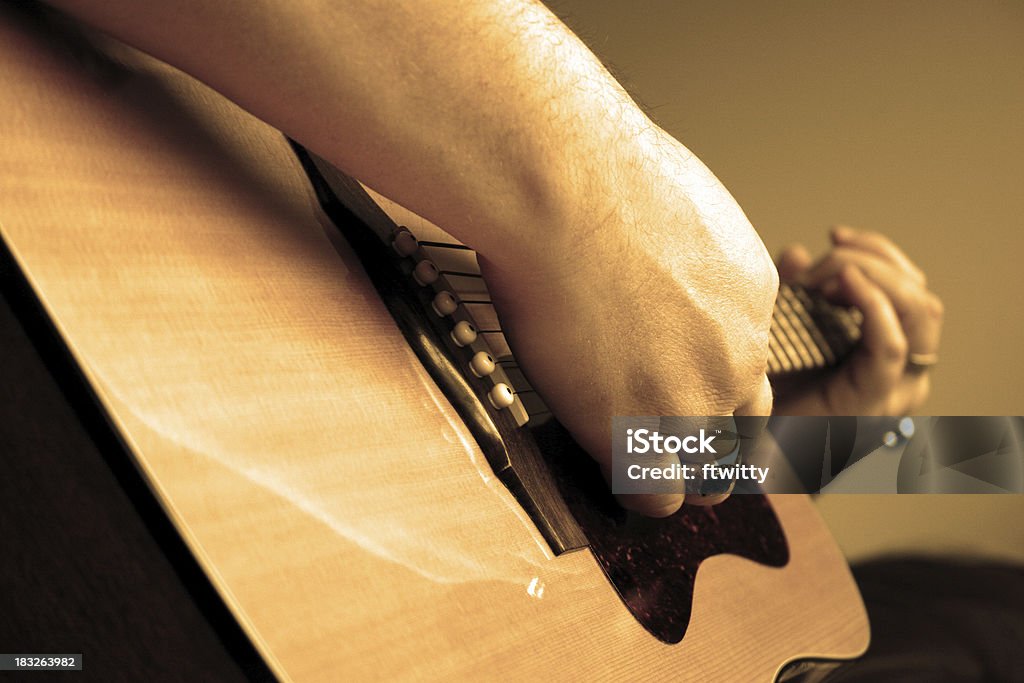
808,333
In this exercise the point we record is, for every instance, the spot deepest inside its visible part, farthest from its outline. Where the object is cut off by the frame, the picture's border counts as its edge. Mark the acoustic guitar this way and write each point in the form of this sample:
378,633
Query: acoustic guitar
314,386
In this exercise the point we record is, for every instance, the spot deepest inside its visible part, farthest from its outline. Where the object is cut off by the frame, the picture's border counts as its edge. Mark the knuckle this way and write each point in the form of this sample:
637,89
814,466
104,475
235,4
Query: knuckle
772,279
762,282
831,261
746,376
876,238
885,243
770,271
895,349
762,272
934,307
792,251
906,293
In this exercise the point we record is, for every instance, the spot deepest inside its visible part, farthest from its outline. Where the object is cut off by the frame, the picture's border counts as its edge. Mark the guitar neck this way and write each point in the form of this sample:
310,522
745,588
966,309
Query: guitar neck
808,333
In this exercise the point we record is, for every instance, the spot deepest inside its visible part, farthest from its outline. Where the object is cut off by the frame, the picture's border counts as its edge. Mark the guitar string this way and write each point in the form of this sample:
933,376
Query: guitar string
461,274
442,245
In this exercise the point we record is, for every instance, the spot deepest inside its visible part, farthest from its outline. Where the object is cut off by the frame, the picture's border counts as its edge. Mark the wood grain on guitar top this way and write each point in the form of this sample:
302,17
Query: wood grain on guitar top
332,494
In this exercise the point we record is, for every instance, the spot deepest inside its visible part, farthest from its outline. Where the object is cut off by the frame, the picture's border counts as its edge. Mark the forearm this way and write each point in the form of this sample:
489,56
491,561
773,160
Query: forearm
627,279
490,118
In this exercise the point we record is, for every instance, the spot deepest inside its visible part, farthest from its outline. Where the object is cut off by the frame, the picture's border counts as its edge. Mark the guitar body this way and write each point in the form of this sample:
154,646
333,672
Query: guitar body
327,487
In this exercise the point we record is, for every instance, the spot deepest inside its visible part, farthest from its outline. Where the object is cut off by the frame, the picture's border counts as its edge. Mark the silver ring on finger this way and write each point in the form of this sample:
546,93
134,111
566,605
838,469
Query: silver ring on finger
921,362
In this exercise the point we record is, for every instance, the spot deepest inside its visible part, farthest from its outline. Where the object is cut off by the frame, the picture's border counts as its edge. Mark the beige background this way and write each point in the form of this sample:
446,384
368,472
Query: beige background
905,117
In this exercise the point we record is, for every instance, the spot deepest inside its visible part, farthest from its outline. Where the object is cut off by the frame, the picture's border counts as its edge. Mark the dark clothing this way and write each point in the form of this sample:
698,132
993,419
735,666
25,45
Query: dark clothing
940,621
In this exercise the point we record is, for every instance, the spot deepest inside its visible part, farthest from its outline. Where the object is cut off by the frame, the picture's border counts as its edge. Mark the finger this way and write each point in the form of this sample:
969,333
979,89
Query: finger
793,261
920,312
878,366
915,393
832,263
880,245
910,395
651,504
760,405
647,504
761,402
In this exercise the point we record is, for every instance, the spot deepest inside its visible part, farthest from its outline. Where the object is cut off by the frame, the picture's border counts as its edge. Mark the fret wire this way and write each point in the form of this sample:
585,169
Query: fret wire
790,348
832,352
787,366
817,357
773,362
825,328
818,342
785,343
806,306
814,356
773,345
794,338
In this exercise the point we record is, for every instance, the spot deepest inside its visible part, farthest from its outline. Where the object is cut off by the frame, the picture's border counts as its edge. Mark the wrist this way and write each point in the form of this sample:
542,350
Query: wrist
601,203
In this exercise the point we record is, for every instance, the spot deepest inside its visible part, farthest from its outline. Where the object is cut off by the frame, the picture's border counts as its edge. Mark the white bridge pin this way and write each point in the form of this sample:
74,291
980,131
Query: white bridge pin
463,333
425,273
404,243
501,396
444,304
482,364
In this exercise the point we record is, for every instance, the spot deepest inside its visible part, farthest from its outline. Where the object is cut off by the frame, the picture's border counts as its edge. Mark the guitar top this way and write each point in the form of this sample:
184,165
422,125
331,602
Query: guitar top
329,487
